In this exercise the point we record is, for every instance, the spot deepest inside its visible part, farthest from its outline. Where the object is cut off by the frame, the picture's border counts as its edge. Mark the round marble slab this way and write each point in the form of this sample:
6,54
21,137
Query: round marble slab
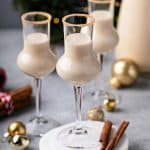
50,140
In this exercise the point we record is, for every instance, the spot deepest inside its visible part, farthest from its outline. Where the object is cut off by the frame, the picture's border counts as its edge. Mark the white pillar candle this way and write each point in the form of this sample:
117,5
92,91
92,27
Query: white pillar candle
134,33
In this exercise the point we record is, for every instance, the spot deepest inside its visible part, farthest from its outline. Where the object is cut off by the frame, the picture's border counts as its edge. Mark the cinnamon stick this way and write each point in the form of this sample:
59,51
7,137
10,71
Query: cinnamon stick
2,113
17,107
105,135
20,106
21,98
22,93
19,95
117,136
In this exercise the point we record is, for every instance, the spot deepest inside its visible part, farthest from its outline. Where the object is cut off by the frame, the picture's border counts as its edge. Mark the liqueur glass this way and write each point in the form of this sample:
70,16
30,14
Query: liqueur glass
105,38
37,60
78,66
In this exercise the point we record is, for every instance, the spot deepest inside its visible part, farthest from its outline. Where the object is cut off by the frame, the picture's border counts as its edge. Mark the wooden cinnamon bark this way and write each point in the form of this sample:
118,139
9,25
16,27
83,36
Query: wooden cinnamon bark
21,98
21,94
105,135
117,136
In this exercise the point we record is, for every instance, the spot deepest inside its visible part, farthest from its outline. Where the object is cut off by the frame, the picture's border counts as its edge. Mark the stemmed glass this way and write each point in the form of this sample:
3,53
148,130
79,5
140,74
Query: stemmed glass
37,60
79,66
105,37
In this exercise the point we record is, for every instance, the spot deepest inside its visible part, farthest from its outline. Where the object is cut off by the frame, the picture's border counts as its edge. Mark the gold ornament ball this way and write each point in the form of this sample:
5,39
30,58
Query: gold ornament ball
7,137
17,128
85,9
56,20
20,142
126,71
95,114
109,104
115,83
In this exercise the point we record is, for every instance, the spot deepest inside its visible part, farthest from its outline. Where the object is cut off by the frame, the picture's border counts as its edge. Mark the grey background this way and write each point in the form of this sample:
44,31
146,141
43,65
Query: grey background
58,99
9,17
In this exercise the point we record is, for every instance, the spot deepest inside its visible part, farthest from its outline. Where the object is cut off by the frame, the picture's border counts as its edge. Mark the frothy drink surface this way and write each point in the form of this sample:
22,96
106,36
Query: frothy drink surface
36,42
77,45
37,38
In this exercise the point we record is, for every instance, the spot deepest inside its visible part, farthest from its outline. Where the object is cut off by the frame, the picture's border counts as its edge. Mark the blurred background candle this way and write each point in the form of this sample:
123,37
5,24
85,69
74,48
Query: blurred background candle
134,33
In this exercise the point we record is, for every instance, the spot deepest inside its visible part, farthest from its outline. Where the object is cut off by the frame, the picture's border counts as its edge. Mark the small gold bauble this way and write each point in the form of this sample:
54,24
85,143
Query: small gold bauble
17,140
17,128
95,114
115,83
85,9
20,142
126,71
7,137
117,4
109,104
56,20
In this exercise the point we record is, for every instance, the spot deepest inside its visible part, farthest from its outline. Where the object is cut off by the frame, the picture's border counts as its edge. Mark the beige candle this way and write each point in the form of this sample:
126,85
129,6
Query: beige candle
134,33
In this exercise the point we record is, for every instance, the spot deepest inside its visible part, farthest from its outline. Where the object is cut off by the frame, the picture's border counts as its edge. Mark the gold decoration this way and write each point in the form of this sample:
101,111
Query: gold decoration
85,9
109,104
16,128
20,142
16,136
95,114
7,137
117,4
56,20
115,83
125,71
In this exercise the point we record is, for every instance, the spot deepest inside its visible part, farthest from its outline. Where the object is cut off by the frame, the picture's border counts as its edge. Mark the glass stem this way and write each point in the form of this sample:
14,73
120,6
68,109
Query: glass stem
98,81
38,97
78,105
102,76
100,58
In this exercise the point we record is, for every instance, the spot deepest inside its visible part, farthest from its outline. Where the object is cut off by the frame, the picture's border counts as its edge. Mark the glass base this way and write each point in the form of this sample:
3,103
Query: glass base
38,126
99,94
82,138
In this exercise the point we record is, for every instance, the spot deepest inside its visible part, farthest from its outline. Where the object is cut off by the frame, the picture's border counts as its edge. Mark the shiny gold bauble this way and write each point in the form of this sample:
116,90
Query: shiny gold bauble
56,20
126,71
95,114
17,128
115,83
20,142
109,104
85,9
7,137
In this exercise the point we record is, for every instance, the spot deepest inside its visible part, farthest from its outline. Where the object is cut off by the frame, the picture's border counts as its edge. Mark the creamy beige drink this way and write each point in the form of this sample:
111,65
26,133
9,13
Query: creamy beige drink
105,37
78,64
36,59
134,33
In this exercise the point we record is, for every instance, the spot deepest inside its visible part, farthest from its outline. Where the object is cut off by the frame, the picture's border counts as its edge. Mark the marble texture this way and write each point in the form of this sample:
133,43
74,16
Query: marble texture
58,99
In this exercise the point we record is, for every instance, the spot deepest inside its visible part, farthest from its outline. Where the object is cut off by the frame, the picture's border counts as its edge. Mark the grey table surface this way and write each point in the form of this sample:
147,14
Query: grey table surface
58,99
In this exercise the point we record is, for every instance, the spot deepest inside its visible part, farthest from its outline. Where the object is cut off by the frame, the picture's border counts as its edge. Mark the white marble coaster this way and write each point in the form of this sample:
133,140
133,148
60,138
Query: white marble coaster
50,140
